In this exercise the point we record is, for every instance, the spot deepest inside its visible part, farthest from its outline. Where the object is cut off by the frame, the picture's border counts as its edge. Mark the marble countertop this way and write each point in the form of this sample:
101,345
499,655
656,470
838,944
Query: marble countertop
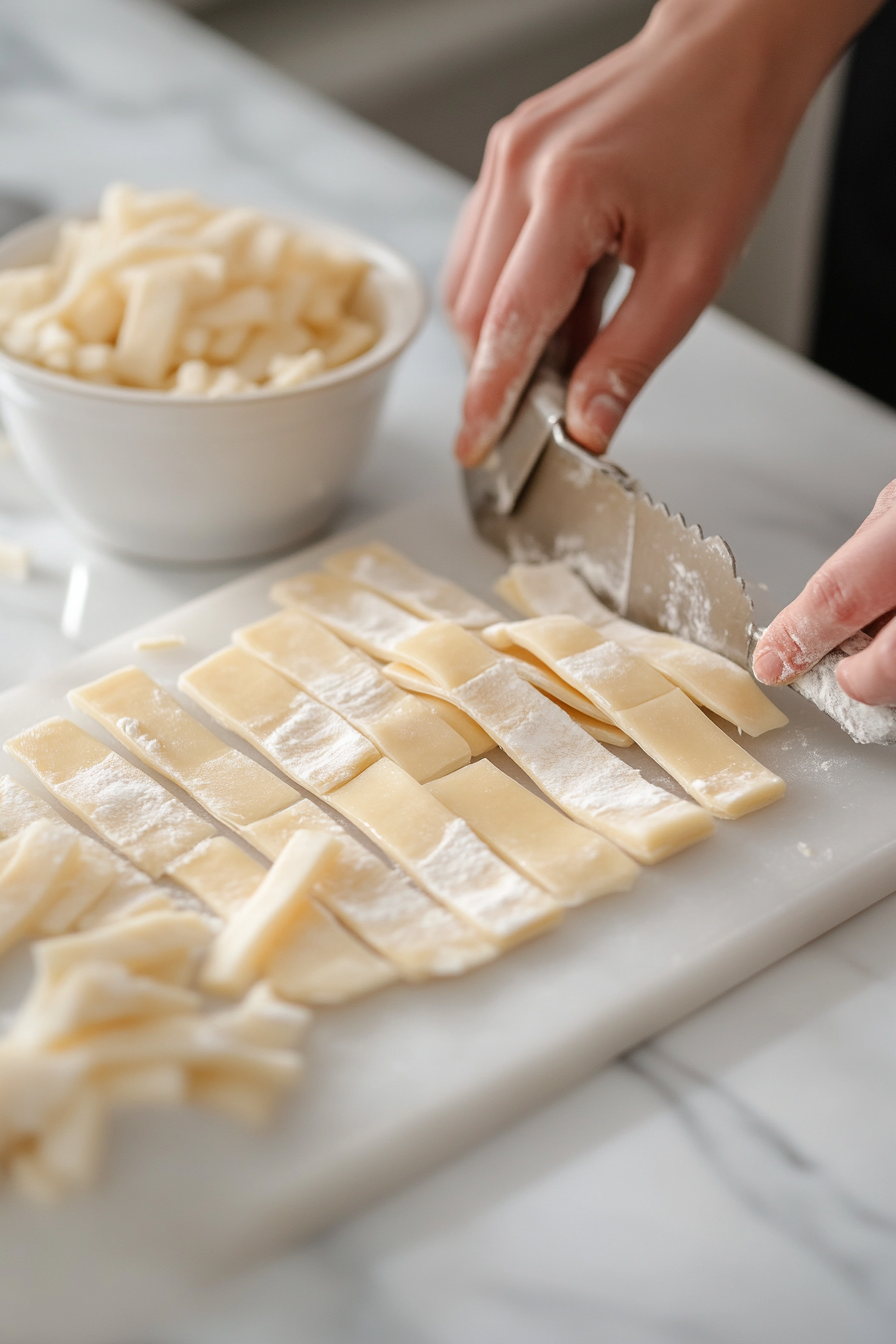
734,1180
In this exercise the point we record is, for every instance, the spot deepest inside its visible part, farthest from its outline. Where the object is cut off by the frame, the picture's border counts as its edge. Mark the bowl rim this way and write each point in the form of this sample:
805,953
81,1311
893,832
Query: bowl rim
389,345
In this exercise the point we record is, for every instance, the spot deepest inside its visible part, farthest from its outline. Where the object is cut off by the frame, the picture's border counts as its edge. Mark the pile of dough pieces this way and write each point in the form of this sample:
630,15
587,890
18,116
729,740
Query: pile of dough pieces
374,689
164,291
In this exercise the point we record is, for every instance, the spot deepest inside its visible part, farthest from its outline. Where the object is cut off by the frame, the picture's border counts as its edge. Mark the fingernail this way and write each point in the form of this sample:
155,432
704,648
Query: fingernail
603,414
768,667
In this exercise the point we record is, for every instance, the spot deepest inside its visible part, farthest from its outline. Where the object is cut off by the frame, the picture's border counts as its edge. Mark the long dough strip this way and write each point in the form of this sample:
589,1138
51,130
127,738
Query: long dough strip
156,728
570,862
412,679
353,613
708,678
573,770
420,936
124,806
440,852
663,721
129,891
318,961
317,661
306,740
476,738
388,572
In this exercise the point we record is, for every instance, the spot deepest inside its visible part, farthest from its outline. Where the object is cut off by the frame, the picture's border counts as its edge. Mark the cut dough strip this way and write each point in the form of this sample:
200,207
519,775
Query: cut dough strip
708,678
663,721
440,851
386,571
414,932
128,892
312,657
570,862
577,773
353,613
157,729
306,740
124,806
476,738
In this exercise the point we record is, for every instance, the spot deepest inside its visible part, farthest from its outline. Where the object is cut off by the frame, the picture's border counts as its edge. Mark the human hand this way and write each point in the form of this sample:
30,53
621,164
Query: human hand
852,590
661,154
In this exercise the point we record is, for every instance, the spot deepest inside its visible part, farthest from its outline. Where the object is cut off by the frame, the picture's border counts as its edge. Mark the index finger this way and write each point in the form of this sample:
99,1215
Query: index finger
851,589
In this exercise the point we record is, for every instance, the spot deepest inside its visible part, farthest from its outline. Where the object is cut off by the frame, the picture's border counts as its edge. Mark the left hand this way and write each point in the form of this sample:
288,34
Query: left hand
856,587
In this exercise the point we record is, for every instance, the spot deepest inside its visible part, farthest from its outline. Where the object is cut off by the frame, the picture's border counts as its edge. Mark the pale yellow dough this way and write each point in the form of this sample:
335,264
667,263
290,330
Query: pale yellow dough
415,933
573,770
717,772
309,742
122,804
386,571
440,851
475,737
708,678
570,862
354,613
317,661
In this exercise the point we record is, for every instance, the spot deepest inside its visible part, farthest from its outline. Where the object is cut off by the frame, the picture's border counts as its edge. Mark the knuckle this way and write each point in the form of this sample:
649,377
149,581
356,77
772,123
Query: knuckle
832,598
626,377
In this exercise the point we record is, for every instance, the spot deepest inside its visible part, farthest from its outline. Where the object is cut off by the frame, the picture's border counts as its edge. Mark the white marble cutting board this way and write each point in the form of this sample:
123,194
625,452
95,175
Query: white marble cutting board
402,1080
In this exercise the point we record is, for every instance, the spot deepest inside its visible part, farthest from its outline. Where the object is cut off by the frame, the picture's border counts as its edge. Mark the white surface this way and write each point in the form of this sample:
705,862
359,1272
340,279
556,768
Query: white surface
402,1080
750,1194
195,479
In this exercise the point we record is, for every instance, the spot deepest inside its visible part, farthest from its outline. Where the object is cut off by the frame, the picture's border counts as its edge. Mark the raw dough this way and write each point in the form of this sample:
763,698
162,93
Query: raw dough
387,571
244,947
443,855
346,680
310,743
218,873
122,804
147,719
31,867
576,772
571,863
717,772
708,678
395,917
476,738
354,613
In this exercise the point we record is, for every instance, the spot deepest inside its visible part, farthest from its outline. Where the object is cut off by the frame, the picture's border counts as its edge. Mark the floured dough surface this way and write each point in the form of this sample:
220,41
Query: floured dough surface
664,722
573,770
147,719
218,873
420,936
569,861
351,611
124,806
386,571
708,678
312,744
348,681
440,852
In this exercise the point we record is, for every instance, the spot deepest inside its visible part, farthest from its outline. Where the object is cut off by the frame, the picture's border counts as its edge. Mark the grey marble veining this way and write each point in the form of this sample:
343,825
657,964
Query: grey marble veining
733,1182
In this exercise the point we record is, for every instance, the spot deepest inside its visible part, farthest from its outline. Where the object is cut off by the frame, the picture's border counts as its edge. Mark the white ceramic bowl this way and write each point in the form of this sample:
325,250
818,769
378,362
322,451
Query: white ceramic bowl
198,479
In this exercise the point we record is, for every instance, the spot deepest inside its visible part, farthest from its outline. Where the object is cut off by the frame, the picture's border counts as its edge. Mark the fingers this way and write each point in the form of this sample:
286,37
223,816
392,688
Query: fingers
536,290
870,676
856,585
666,298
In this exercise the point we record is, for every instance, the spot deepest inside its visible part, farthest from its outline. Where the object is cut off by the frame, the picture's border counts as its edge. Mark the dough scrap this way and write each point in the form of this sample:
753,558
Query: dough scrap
347,681
573,770
571,863
417,934
147,719
354,613
32,865
306,740
388,572
122,804
708,678
440,852
664,722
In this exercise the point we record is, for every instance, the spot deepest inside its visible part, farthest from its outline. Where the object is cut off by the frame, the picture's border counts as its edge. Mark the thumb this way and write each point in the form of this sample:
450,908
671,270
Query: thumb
665,300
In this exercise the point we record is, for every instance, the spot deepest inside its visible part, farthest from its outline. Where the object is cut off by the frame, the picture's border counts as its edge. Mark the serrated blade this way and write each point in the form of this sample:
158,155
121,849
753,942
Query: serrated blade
540,496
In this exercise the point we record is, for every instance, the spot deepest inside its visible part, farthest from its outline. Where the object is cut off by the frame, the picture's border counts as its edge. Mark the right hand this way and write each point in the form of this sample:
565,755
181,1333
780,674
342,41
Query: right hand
661,154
